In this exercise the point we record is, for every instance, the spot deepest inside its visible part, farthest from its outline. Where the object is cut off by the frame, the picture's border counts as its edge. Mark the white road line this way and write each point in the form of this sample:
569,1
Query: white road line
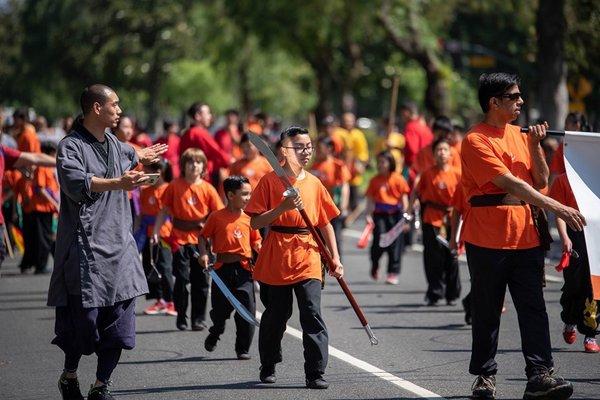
419,248
365,366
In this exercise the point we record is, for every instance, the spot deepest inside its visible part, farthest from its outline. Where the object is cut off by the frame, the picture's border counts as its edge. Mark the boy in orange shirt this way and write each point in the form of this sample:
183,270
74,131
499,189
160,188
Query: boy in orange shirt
335,176
435,191
253,166
289,261
157,253
188,200
579,309
387,198
232,240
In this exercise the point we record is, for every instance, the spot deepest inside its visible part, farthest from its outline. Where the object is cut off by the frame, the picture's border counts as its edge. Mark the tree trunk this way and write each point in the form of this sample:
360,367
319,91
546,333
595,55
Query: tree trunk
436,94
324,88
552,69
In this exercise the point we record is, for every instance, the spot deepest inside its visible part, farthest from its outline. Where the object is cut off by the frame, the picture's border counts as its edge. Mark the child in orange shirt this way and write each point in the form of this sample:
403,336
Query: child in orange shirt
579,309
188,200
253,166
158,253
232,240
435,191
387,198
289,261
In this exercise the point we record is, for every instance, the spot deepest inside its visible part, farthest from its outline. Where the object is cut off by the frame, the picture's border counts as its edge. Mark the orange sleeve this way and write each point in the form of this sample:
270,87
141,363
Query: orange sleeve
403,185
208,230
255,237
345,174
481,161
259,200
371,191
327,209
167,198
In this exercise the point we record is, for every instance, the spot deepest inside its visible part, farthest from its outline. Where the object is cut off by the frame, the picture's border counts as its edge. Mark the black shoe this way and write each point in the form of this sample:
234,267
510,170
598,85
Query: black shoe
267,374
198,326
317,383
432,303
69,388
546,386
181,324
210,343
484,387
42,271
468,319
243,356
100,393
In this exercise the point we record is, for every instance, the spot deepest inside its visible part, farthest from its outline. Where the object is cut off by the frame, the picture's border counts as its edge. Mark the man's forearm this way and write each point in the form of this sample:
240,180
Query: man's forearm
539,167
523,191
105,185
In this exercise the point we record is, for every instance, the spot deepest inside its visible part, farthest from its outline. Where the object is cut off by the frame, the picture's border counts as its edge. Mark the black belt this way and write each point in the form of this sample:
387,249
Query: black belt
496,199
290,229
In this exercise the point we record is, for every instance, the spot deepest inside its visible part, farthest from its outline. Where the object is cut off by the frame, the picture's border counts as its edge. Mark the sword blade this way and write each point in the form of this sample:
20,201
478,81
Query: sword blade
266,151
239,307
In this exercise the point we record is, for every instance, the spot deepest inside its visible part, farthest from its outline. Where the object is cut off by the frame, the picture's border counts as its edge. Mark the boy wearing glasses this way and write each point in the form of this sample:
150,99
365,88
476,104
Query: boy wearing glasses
502,171
289,262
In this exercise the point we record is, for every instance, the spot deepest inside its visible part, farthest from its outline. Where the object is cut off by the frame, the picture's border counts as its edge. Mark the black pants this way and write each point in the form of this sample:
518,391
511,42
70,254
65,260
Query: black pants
163,260
577,300
187,270
353,197
383,223
37,235
239,281
523,271
441,267
278,310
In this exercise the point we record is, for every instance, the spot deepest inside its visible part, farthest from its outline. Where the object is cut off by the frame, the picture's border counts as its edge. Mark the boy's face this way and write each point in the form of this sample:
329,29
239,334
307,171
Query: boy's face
298,150
240,198
442,153
250,151
194,168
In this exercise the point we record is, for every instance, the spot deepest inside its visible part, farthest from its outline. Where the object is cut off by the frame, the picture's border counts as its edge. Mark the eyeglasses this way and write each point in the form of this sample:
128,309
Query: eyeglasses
511,96
307,149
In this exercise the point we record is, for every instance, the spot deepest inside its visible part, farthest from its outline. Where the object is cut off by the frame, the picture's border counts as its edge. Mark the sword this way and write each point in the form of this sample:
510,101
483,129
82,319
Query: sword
278,169
388,238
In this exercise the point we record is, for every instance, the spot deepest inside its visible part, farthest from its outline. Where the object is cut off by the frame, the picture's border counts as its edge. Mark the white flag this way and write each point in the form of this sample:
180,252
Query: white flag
582,161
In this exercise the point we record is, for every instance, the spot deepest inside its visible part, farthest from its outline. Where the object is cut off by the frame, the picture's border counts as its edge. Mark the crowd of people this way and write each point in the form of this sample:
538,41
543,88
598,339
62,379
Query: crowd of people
204,197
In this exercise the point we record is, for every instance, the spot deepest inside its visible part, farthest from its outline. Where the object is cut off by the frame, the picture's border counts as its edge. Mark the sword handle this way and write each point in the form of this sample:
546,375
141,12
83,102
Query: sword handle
550,132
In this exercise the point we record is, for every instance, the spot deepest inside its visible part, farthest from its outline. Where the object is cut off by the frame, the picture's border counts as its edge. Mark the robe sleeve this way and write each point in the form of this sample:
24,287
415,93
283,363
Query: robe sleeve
72,175
130,153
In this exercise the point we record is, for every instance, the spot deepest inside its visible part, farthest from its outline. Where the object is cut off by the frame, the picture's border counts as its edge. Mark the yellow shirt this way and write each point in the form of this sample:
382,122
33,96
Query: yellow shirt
357,147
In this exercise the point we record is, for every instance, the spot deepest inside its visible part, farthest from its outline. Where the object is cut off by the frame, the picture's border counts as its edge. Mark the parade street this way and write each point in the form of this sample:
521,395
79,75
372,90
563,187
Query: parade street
423,352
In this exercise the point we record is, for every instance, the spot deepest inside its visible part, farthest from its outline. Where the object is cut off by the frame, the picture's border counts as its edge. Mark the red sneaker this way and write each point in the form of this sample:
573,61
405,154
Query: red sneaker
569,334
159,307
170,309
590,345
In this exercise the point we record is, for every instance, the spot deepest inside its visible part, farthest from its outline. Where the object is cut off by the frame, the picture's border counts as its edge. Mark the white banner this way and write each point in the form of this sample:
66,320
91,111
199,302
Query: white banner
582,161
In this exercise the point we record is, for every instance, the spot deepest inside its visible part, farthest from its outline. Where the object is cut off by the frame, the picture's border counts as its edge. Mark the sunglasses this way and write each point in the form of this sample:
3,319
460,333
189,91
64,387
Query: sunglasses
511,96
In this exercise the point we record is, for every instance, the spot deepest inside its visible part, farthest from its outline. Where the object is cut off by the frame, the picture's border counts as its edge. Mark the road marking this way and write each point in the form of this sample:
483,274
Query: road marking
365,366
419,248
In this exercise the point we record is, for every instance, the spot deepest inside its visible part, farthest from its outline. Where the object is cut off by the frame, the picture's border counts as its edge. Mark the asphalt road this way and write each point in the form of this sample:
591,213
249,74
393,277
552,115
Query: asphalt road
423,351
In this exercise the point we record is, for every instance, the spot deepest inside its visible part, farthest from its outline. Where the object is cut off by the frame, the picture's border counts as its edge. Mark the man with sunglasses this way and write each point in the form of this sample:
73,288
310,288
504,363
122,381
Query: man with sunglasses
502,171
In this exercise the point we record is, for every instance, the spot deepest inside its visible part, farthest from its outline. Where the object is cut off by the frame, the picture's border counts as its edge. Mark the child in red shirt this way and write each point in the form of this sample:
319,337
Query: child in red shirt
232,241
188,200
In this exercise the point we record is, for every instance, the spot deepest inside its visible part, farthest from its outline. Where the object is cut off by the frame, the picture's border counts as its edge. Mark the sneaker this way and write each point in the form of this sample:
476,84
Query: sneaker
170,309
181,323
484,387
160,307
210,343
432,303
590,345
198,326
69,388
267,374
317,383
451,303
569,334
243,356
100,393
392,279
547,386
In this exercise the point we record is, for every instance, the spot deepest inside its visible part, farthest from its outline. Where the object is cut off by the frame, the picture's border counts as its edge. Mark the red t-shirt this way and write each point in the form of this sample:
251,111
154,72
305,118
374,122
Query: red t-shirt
418,135
8,157
199,138
172,153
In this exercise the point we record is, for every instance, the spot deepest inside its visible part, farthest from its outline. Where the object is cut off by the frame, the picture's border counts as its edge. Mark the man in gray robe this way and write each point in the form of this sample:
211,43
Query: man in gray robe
97,270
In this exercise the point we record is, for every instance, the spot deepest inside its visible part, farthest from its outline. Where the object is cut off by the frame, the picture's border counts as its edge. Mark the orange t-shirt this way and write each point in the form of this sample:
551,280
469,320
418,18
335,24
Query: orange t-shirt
28,140
425,160
253,170
190,202
437,186
44,179
286,259
151,204
561,191
488,152
231,233
332,172
388,189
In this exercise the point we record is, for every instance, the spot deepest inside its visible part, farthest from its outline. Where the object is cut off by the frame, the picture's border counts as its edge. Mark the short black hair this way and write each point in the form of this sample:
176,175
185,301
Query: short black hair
327,141
494,85
442,123
390,159
293,131
410,106
97,93
21,113
167,124
195,108
234,183
437,142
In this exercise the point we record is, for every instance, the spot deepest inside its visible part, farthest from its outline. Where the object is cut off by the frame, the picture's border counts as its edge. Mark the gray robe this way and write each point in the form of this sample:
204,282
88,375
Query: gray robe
96,255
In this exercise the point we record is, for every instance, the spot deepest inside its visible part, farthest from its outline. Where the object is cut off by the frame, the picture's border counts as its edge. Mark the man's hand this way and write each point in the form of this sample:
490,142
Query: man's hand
203,261
572,217
132,179
151,155
338,272
537,133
